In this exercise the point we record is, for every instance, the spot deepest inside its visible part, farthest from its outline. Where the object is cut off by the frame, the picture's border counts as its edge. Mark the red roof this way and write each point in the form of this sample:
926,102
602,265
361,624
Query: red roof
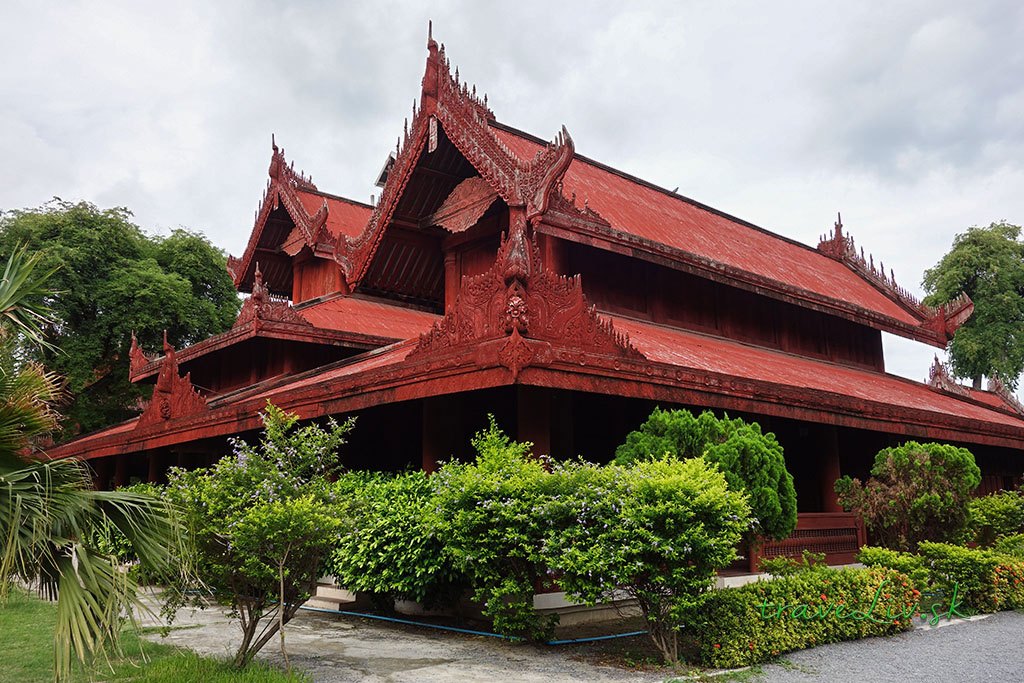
715,354
344,216
641,210
370,317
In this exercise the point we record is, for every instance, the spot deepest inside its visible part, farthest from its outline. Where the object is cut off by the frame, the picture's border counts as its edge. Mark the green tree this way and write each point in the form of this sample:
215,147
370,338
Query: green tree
988,265
751,460
264,521
49,514
917,492
112,279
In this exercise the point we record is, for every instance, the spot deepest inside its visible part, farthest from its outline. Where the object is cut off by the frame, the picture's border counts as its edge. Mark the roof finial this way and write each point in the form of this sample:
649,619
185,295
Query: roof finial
839,225
273,142
430,34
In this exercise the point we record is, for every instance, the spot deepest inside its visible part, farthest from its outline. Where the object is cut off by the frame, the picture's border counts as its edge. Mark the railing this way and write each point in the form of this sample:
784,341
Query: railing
837,534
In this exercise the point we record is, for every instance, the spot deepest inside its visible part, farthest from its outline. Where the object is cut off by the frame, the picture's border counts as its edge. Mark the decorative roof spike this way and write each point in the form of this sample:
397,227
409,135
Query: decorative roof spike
273,143
839,225
430,32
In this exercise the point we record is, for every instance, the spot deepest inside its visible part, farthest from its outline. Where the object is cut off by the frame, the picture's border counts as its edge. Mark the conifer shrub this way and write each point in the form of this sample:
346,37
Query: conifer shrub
762,620
917,492
751,461
1012,545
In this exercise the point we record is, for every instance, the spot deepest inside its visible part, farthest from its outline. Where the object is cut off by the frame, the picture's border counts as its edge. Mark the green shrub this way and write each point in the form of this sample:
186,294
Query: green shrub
996,515
784,565
655,531
751,461
1011,545
491,515
759,621
391,550
908,563
985,580
917,492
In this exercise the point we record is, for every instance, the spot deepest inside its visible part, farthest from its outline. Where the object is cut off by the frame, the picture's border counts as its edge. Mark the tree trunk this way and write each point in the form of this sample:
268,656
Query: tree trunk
977,382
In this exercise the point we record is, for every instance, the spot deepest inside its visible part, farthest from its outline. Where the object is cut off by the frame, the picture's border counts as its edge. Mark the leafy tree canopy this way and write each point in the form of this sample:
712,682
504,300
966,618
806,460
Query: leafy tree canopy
751,461
987,264
112,279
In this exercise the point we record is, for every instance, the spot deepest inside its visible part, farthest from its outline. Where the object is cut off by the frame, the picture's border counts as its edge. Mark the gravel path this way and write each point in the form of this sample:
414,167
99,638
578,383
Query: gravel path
350,649
989,648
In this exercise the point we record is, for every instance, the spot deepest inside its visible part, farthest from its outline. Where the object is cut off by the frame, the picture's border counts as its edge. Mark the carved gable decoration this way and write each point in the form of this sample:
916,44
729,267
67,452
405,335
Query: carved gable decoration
173,396
942,320
259,307
466,204
517,299
939,378
454,105
310,230
137,358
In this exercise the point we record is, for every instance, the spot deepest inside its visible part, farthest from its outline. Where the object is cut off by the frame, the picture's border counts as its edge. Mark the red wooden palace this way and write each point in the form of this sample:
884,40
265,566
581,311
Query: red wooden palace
499,273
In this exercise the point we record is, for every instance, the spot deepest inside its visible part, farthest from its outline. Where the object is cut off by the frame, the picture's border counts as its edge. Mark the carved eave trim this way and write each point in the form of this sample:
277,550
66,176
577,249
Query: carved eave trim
174,396
137,359
282,189
532,309
941,322
999,389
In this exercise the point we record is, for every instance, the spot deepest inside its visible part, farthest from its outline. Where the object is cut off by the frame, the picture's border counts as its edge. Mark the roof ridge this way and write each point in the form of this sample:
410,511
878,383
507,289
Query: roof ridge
657,188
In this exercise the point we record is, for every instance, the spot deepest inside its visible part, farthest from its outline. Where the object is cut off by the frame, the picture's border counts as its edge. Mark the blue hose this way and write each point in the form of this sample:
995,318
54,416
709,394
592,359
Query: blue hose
465,630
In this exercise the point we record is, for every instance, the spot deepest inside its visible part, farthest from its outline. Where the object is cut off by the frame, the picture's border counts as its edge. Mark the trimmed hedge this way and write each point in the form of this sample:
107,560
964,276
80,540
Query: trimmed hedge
995,515
983,580
746,625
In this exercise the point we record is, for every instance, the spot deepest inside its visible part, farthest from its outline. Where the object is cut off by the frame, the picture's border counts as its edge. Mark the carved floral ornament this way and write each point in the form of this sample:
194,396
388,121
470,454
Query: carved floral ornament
532,308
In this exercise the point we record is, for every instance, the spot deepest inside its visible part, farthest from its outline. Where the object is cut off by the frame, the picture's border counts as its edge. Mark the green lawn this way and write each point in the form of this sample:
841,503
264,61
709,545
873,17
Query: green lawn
26,655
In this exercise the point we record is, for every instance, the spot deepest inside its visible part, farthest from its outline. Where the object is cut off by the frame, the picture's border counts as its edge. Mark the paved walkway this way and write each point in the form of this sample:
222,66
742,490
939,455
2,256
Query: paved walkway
348,649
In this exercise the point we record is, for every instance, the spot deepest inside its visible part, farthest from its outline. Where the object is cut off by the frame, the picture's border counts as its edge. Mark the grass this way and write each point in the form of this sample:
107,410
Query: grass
26,655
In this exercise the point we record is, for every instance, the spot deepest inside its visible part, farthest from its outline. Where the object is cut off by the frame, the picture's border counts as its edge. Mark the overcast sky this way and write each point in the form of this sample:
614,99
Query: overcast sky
906,116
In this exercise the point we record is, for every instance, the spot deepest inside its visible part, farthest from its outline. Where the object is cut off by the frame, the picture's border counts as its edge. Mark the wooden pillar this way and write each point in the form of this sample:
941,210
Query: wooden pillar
156,472
552,253
101,472
829,471
533,411
120,470
451,279
441,430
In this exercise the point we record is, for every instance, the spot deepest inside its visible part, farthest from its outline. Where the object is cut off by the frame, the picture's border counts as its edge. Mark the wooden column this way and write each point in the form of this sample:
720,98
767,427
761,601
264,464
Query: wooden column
533,408
829,470
441,430
120,470
552,253
451,279
101,472
156,470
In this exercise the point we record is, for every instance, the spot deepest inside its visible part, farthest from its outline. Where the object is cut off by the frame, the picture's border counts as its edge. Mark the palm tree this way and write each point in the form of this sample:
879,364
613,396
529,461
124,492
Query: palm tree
49,514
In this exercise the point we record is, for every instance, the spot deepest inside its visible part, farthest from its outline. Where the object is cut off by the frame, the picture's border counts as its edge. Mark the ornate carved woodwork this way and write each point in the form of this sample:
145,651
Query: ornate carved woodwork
999,389
532,308
137,358
310,229
939,378
173,396
942,320
466,204
465,118
260,307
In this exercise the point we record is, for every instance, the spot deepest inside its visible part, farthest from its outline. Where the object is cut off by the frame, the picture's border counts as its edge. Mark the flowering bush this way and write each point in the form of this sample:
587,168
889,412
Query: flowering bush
761,620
